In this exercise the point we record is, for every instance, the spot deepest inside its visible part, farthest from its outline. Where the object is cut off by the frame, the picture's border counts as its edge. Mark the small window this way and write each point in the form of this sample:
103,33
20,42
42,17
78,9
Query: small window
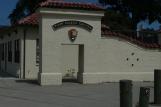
137,59
37,51
132,65
133,54
10,51
2,51
17,51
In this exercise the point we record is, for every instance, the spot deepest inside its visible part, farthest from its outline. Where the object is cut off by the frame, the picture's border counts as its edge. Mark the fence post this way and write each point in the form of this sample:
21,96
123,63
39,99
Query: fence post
125,93
144,97
157,86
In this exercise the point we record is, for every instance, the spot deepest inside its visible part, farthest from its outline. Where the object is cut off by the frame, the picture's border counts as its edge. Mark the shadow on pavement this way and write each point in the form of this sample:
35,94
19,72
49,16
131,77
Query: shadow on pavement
35,82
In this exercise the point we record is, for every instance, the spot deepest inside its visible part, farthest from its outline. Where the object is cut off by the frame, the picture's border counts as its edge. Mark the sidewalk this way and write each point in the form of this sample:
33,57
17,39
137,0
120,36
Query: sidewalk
17,93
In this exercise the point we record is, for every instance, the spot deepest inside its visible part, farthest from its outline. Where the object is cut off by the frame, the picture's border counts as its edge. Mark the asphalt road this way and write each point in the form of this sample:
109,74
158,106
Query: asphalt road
19,93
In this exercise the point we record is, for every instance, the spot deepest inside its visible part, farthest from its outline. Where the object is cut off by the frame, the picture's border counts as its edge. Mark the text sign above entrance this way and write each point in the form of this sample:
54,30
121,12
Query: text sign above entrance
72,23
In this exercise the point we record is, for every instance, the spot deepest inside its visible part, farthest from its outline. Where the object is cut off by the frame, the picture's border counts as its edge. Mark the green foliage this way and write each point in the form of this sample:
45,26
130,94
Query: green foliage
23,8
140,9
117,20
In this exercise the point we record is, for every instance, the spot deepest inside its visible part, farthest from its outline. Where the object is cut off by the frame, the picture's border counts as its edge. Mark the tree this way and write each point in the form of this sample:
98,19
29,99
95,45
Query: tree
23,8
139,10
116,20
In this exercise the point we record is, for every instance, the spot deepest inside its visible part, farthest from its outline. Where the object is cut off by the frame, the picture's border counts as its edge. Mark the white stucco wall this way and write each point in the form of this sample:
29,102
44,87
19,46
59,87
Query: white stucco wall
104,59
17,69
31,68
118,59
50,67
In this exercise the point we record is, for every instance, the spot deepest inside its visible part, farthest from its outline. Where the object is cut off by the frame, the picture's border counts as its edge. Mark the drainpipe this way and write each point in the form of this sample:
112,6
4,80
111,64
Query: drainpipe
159,38
24,52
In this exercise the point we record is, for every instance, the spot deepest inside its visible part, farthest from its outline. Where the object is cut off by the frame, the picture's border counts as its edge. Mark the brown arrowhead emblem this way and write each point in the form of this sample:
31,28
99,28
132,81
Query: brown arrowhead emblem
72,34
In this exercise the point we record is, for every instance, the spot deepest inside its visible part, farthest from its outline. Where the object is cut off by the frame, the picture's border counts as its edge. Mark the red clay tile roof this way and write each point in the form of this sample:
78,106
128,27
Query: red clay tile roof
71,5
33,18
106,32
29,20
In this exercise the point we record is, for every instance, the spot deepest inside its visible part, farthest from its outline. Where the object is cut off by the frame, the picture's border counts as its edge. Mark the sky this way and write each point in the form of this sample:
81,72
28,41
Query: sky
144,24
6,7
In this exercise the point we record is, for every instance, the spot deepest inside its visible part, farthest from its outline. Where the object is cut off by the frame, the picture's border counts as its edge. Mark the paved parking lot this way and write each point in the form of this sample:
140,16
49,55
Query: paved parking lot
20,93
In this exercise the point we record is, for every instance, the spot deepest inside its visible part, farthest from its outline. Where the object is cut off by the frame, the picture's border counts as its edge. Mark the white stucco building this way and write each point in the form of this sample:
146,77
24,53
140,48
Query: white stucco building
64,40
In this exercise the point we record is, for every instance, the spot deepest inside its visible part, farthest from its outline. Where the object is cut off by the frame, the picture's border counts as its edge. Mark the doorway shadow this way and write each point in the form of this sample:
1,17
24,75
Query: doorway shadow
70,81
